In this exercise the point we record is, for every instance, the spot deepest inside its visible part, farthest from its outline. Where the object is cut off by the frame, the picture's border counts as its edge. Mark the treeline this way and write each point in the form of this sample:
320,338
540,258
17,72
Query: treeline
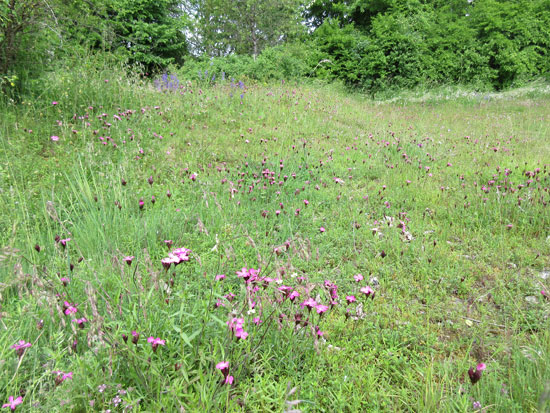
367,44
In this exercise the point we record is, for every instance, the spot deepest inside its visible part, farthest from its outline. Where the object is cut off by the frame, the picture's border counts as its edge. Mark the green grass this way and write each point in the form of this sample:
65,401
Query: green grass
455,287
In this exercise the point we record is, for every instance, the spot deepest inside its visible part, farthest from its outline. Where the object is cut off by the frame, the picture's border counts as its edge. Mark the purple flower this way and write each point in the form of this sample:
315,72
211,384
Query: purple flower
61,377
135,337
20,347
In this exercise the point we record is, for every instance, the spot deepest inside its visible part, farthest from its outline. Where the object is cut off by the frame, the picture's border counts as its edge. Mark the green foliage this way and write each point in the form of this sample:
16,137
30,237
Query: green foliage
149,31
290,61
406,43
223,27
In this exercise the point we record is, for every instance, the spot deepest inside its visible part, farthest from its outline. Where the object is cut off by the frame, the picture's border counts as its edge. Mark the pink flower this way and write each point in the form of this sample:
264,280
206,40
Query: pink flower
321,308
63,242
20,347
54,138
358,277
69,308
350,299
80,321
306,202
155,342
309,303
220,277
13,403
61,377
369,292
293,295
135,337
249,275
54,103
223,366
322,229
128,260
476,375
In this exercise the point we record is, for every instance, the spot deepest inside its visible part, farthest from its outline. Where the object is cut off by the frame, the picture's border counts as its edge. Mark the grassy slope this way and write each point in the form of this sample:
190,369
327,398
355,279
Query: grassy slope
465,290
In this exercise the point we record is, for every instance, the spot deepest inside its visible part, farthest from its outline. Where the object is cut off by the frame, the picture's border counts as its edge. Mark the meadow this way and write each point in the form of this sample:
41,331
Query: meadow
174,245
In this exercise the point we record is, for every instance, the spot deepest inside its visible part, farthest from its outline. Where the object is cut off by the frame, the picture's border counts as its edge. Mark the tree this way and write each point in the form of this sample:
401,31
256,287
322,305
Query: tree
223,27
150,31
17,18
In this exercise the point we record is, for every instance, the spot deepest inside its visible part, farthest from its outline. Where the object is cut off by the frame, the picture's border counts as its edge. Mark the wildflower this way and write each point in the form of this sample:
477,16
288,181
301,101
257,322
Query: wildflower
54,103
128,260
309,303
477,405
350,299
135,337
69,308
293,295
65,281
369,292
545,294
61,377
358,277
80,321
475,375
223,366
37,248
249,275
54,138
321,308
322,229
13,403
155,342
63,242
150,180
220,277
125,338
20,347
168,242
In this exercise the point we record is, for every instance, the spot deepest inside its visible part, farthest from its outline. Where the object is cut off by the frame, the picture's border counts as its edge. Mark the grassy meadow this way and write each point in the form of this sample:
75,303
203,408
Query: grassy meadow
185,246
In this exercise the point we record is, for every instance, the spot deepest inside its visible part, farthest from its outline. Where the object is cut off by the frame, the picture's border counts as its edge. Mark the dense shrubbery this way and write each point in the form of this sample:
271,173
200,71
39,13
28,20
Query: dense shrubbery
368,45
488,43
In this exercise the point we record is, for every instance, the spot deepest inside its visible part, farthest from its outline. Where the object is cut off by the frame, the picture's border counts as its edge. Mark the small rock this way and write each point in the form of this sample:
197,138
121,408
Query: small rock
545,274
511,265
531,299
374,282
